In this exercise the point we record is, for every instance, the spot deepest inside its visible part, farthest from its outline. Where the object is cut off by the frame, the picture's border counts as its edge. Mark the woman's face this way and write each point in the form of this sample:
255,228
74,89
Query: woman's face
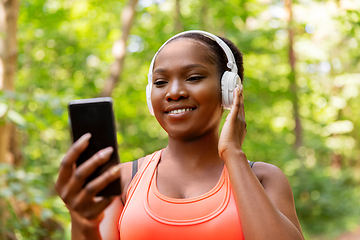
186,90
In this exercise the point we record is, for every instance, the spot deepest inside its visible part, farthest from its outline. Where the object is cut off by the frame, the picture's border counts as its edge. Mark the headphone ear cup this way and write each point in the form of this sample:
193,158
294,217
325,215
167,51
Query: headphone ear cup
229,81
225,89
148,99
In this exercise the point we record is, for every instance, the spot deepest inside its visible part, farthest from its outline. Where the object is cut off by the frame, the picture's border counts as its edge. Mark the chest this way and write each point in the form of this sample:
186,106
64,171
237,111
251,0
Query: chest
149,214
182,185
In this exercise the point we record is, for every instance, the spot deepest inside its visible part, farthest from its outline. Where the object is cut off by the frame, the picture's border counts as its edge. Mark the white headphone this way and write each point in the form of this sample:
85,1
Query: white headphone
229,79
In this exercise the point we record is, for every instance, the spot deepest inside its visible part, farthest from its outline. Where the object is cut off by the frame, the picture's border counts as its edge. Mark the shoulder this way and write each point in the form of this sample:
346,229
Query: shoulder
270,176
275,184
108,225
278,189
126,175
267,172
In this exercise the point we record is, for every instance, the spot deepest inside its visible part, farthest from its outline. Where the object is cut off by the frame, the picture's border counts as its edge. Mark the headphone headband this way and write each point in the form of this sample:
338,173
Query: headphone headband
231,64
230,56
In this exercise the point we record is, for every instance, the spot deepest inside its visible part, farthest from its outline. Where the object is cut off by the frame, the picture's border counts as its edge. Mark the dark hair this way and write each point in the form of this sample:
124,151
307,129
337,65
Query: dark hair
217,54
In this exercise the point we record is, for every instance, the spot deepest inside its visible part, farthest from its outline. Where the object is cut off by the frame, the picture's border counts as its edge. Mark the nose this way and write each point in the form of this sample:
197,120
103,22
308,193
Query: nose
176,90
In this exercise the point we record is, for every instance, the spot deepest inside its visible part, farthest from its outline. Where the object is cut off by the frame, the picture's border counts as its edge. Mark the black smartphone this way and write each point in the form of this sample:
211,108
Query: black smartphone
96,116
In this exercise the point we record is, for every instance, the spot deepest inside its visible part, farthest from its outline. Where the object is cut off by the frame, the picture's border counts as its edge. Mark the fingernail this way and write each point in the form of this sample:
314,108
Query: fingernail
241,88
115,170
106,152
85,137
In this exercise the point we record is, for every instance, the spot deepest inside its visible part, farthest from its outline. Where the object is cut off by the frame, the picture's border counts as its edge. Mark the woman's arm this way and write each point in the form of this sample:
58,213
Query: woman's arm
109,225
276,184
266,209
87,210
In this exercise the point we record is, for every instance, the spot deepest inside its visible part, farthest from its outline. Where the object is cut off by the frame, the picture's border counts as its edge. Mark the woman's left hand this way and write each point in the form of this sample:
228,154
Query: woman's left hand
234,130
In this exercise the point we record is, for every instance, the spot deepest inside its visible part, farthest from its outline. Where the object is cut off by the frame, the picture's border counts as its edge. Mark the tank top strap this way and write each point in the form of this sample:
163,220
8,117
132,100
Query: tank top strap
149,165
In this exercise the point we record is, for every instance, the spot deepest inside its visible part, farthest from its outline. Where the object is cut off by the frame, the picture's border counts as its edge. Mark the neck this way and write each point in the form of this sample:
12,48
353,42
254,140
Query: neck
195,152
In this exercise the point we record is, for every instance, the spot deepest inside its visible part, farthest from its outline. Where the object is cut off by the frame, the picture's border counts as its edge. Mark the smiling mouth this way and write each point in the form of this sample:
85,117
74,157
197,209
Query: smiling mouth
177,111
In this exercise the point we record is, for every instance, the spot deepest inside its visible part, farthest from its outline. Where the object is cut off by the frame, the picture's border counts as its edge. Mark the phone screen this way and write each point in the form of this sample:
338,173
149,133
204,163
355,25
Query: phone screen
96,116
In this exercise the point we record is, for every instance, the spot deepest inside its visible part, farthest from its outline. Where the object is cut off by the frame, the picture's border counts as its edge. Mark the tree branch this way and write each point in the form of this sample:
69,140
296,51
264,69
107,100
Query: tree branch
292,77
119,49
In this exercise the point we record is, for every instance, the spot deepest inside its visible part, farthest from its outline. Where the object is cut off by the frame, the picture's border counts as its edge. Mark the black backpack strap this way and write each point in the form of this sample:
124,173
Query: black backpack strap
134,168
251,163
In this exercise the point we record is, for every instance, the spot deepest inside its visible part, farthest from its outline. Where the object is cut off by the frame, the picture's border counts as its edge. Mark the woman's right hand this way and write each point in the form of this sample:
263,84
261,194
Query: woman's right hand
85,208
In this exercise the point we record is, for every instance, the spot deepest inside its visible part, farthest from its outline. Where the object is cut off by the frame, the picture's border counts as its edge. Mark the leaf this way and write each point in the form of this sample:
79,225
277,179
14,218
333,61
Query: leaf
3,109
16,117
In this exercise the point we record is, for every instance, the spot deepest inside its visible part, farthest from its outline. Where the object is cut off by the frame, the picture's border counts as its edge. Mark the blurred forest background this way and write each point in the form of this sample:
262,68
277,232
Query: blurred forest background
302,84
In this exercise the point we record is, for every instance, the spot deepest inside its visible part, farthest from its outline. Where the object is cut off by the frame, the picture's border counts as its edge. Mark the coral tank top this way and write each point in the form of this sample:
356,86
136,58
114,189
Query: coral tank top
150,215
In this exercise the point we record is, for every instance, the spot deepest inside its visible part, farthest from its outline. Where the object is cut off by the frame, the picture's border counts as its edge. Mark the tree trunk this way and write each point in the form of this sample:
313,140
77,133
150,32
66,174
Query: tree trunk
178,24
119,49
203,15
336,160
292,77
9,10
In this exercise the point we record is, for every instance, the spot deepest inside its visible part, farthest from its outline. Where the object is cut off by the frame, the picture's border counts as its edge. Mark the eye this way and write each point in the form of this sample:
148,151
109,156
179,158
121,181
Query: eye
194,78
160,82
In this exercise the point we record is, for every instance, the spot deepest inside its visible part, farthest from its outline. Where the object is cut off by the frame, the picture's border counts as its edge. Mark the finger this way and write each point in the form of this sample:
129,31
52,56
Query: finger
242,109
241,89
74,152
99,183
236,103
88,194
67,164
98,208
83,171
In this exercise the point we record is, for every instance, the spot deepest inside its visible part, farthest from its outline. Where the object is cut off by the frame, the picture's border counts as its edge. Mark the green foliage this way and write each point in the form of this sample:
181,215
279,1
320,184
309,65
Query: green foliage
324,194
34,210
65,52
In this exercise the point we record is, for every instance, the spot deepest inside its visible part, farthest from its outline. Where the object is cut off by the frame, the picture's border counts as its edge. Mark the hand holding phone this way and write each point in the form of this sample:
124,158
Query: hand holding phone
96,116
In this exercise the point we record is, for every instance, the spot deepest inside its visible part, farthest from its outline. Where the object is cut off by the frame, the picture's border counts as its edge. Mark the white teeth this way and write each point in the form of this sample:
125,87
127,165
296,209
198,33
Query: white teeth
177,111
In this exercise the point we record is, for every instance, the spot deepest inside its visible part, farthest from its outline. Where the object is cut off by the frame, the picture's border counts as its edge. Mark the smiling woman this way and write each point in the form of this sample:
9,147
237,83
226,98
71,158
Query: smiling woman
201,186
183,80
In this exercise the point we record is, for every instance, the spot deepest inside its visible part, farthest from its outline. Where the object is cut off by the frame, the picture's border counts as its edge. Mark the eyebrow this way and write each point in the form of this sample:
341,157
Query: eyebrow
187,67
